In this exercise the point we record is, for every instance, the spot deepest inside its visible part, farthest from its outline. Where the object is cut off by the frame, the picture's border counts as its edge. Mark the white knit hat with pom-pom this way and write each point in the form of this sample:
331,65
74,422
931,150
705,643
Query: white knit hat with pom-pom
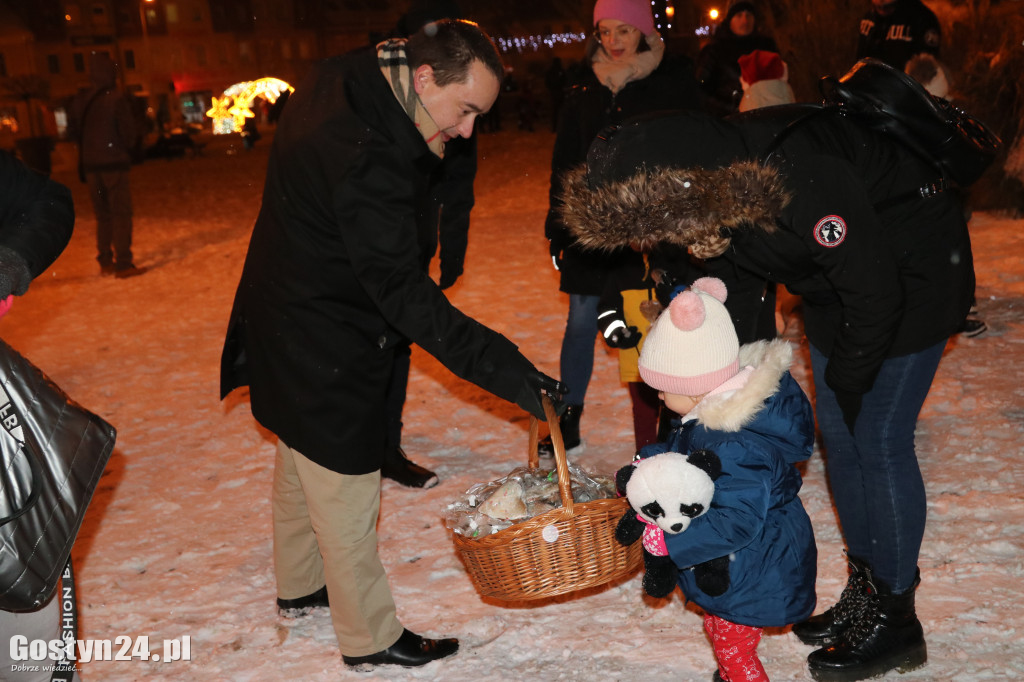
692,348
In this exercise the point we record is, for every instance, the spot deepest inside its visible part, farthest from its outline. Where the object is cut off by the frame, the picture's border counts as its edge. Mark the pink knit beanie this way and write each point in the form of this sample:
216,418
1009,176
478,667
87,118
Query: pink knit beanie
692,347
633,12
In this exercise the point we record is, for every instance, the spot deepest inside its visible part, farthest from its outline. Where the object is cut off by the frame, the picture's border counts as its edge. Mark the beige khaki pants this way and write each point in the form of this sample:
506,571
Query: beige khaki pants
325,533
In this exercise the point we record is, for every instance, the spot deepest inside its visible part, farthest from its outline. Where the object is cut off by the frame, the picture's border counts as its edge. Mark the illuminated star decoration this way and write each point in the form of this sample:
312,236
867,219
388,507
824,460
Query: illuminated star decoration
230,111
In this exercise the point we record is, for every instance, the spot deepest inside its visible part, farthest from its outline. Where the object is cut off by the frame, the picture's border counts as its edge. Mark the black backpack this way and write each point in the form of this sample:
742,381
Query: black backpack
889,101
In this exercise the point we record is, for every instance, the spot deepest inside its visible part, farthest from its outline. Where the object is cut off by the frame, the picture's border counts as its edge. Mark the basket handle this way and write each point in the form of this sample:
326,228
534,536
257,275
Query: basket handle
561,463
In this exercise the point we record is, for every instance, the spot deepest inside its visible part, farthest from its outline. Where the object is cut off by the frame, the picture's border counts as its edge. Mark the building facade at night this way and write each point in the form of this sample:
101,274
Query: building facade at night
173,55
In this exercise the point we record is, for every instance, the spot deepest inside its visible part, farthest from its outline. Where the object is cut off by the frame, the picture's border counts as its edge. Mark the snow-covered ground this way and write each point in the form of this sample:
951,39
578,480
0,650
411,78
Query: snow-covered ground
177,540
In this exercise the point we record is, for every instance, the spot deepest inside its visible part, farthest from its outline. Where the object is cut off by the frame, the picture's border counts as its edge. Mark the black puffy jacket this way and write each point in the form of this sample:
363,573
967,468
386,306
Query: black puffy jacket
830,209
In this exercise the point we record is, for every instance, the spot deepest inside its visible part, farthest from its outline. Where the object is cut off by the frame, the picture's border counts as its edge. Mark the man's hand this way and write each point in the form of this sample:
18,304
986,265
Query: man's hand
535,385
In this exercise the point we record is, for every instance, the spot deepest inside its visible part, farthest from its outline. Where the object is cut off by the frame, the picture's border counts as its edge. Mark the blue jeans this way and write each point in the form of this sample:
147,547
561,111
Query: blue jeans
577,358
875,480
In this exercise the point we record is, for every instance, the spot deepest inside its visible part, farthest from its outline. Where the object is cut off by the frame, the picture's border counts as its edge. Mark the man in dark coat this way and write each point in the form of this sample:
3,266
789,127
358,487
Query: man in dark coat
103,124
860,227
332,283
896,30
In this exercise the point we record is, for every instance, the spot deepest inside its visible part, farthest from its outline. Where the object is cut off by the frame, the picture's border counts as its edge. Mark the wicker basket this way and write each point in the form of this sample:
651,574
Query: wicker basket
560,551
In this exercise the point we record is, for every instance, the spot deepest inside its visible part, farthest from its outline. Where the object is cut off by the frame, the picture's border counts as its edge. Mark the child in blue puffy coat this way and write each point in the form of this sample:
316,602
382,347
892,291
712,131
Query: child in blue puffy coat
743,404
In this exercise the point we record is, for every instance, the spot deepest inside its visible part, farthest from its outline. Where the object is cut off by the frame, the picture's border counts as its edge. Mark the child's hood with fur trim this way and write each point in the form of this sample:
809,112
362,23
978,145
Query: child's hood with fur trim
733,411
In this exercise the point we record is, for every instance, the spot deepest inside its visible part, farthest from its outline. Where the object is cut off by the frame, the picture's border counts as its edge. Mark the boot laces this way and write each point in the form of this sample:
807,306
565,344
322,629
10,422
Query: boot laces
853,599
864,620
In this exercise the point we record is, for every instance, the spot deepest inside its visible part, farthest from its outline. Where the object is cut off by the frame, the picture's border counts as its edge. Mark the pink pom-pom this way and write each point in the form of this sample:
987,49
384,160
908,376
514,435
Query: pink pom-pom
687,311
712,286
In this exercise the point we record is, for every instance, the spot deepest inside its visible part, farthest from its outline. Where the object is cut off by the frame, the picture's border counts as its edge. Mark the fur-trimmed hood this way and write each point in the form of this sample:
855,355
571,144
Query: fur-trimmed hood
731,412
678,179
682,206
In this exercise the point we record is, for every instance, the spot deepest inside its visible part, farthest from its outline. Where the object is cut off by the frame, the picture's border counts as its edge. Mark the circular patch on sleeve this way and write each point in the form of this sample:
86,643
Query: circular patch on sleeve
830,231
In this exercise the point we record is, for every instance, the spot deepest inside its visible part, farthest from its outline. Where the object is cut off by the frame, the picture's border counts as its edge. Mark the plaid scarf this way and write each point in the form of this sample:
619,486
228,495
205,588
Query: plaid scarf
395,66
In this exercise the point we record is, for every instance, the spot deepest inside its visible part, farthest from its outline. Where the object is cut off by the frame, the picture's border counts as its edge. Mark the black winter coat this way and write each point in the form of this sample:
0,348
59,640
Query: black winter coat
589,108
333,279
834,214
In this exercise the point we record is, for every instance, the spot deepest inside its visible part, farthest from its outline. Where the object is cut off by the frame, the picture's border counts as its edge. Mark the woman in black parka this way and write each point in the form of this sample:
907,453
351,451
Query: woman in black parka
834,212
627,73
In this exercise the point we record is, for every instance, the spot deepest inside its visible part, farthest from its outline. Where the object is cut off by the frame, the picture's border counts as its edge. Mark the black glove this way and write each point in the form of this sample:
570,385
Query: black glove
624,337
14,274
535,385
849,404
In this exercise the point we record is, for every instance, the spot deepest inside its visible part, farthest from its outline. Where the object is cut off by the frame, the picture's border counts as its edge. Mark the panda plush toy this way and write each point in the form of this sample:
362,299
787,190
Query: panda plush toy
666,492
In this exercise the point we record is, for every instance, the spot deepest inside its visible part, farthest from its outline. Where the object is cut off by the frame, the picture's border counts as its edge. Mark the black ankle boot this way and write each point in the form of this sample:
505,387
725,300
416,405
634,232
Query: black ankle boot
886,635
410,651
825,627
569,424
403,471
301,606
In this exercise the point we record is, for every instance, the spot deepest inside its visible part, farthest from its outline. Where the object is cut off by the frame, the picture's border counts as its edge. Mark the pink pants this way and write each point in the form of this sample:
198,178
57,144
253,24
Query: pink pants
736,650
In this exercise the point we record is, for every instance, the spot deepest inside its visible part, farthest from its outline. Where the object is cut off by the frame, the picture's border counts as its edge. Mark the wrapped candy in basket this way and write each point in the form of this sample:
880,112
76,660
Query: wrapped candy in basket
559,550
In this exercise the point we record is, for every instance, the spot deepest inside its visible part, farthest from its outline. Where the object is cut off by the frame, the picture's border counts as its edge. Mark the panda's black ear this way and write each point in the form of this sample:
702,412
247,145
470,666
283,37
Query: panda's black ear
622,478
707,461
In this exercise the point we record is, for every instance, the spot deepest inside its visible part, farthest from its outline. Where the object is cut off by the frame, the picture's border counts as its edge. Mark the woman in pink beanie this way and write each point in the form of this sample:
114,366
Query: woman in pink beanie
626,73
741,403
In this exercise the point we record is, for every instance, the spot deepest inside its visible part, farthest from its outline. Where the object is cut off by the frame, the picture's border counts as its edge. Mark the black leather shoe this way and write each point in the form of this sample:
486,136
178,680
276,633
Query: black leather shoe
410,650
399,469
972,326
300,606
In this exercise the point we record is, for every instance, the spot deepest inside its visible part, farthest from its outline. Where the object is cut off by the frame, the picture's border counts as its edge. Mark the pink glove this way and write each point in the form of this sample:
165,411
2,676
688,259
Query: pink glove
6,304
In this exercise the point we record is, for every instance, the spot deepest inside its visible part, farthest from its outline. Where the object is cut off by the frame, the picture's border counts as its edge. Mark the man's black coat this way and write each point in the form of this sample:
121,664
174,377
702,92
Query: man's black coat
333,279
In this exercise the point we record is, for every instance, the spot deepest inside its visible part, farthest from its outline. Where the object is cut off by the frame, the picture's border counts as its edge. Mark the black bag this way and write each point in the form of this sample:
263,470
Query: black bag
891,102
53,452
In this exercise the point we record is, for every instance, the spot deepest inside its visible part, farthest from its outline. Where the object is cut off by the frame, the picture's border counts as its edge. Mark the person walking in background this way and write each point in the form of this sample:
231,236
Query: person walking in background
718,68
36,220
103,124
332,283
877,321
629,74
250,133
896,30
